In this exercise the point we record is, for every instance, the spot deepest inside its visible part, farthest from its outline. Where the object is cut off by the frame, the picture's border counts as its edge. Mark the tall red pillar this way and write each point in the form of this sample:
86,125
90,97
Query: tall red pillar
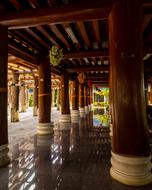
35,106
45,126
15,98
65,117
130,147
4,159
86,98
23,97
75,102
81,100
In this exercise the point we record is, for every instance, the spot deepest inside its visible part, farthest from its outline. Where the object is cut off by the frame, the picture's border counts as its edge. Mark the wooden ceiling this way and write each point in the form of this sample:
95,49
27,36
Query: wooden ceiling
79,27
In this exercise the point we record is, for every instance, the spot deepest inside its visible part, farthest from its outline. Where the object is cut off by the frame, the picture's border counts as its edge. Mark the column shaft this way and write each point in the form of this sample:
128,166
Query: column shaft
4,159
86,98
75,102
65,108
44,98
23,98
15,98
81,100
130,146
35,106
65,118
59,98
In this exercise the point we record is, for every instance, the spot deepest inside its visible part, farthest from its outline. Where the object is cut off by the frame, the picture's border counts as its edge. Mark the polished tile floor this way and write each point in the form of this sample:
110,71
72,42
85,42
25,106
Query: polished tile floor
71,160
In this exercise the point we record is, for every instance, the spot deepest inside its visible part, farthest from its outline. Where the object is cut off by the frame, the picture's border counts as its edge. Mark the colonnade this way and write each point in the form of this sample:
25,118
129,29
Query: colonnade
131,160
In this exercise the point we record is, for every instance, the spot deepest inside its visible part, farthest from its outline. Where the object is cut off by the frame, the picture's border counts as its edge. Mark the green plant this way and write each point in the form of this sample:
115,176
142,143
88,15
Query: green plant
31,101
105,119
55,55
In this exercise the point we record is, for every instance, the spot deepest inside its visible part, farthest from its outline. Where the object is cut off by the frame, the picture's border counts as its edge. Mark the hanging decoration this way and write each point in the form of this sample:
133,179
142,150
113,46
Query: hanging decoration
81,77
55,55
90,83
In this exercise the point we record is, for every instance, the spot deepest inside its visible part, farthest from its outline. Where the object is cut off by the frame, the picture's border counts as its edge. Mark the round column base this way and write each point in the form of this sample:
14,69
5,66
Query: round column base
134,171
45,128
86,110
14,115
82,112
35,111
65,122
23,108
75,116
4,158
44,140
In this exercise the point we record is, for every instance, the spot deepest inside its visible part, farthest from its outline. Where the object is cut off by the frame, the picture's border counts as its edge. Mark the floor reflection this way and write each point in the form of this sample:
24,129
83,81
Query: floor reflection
68,160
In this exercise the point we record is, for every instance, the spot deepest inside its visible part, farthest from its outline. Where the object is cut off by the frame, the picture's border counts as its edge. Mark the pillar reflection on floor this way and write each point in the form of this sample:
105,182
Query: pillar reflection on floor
74,159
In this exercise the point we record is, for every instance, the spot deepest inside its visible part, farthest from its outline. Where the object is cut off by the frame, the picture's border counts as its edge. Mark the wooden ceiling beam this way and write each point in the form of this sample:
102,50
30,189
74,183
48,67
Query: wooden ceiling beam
47,35
22,55
57,14
37,37
87,68
96,54
84,34
23,36
59,35
83,54
95,25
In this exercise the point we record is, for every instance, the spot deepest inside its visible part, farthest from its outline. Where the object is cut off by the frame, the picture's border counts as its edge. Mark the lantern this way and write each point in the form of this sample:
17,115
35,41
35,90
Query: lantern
90,83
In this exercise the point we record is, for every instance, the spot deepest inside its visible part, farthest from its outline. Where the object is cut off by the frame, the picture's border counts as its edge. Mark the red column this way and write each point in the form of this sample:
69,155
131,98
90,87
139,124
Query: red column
130,147
75,102
15,98
4,159
81,99
65,118
86,98
23,97
35,104
45,126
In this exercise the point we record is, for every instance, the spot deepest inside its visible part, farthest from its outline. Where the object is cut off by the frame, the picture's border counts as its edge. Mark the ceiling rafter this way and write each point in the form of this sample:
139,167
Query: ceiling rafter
37,37
47,35
95,25
84,34
72,35
60,35
24,37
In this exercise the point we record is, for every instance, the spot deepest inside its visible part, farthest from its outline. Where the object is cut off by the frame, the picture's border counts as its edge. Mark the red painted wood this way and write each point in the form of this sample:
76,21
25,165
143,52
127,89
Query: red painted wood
3,85
127,85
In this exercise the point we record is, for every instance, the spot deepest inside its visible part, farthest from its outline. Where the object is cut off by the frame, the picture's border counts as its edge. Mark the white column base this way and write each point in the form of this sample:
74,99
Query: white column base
65,122
134,171
35,111
23,108
44,140
4,158
45,128
14,115
75,116
86,110
82,112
